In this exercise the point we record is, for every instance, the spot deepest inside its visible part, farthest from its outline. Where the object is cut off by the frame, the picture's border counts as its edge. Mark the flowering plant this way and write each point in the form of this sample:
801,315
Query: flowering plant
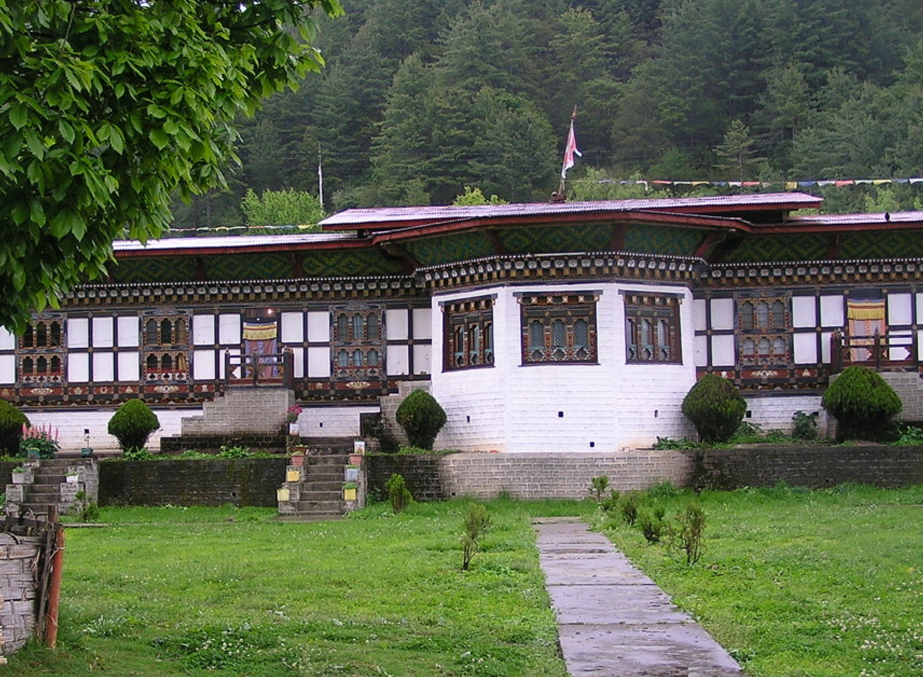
43,438
292,414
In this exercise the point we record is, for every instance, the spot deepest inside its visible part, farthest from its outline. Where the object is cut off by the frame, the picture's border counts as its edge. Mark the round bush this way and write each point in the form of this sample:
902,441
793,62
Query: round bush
421,418
11,422
715,408
862,403
132,424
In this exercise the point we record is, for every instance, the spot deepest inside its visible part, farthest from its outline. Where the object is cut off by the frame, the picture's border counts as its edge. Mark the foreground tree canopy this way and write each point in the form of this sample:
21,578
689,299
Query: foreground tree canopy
109,106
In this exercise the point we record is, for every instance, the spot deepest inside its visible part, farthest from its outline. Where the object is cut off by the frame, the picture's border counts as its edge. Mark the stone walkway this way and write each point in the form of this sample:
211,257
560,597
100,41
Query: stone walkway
612,620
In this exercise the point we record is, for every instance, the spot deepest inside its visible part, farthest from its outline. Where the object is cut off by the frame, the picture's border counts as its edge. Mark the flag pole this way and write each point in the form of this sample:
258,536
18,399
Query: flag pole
570,149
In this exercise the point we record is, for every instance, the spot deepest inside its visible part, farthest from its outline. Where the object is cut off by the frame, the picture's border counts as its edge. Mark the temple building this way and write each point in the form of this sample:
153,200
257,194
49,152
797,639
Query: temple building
565,326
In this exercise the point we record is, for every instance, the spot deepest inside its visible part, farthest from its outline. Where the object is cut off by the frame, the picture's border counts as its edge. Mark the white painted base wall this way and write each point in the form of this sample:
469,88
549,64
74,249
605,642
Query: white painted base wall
71,424
591,408
332,421
774,412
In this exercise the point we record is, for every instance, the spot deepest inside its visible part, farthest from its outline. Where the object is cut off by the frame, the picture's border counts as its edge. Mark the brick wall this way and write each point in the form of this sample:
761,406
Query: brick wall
528,476
18,590
242,482
242,410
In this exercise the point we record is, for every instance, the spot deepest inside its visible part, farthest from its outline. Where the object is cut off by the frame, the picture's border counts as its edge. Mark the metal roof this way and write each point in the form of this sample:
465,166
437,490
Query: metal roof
357,218
229,242
881,218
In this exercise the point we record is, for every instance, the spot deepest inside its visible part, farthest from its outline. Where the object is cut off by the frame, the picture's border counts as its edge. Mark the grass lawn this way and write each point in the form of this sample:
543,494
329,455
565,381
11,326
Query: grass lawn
792,582
796,583
174,591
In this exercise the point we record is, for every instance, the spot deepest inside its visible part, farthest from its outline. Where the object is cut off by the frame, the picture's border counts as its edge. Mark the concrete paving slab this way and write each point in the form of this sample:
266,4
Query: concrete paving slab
613,621
674,650
614,604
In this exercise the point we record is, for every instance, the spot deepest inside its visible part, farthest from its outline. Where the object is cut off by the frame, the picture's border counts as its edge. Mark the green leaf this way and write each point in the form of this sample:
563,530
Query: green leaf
66,130
159,138
18,115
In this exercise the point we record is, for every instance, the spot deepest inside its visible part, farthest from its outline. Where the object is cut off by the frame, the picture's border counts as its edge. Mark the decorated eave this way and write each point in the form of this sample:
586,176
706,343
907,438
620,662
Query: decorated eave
582,266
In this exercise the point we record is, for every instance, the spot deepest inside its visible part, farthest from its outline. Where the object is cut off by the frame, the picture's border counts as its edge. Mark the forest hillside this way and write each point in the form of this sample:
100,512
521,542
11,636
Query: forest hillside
421,98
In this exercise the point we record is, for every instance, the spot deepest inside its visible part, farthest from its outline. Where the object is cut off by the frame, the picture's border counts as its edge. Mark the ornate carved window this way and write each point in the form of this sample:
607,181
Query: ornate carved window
166,347
41,351
763,325
652,331
358,342
469,334
558,328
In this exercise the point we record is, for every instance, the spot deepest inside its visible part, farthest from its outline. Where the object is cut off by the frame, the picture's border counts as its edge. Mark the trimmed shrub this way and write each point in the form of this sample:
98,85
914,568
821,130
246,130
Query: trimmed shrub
132,424
862,403
11,423
421,418
715,408
398,493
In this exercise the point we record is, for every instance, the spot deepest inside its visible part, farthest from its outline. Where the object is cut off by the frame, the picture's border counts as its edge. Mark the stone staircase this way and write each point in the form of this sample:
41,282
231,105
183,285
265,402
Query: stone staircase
315,488
242,410
49,485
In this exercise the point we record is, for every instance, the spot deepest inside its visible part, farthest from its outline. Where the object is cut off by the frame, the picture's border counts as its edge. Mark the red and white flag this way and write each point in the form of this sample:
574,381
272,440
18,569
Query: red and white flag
570,149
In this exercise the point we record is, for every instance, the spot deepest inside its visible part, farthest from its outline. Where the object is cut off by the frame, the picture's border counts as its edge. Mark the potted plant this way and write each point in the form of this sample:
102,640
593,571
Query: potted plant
349,491
351,473
298,455
39,442
291,417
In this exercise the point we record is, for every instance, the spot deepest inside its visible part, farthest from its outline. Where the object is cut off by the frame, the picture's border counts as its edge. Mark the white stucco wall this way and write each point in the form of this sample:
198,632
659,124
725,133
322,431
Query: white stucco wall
774,411
591,408
71,424
332,421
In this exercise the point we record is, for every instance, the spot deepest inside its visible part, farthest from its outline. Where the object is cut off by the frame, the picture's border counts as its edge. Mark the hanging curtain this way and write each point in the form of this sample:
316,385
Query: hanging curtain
865,317
261,341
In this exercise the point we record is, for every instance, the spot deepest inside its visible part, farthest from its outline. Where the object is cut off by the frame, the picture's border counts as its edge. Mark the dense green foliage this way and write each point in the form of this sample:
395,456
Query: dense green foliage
109,106
715,407
282,208
421,98
421,418
11,422
862,403
132,424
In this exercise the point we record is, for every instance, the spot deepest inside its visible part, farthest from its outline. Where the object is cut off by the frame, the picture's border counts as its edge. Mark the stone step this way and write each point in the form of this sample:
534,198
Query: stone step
35,492
319,507
320,495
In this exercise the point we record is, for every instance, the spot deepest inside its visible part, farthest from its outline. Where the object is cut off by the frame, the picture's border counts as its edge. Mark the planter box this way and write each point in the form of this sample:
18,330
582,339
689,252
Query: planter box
298,460
282,495
293,475
349,494
351,475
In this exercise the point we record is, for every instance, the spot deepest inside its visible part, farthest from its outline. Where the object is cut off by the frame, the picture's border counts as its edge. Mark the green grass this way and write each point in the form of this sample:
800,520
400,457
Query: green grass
796,582
197,591
792,582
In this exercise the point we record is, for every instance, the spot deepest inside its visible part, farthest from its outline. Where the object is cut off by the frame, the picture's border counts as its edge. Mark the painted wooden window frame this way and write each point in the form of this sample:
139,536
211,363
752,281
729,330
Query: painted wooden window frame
764,330
652,328
558,328
469,334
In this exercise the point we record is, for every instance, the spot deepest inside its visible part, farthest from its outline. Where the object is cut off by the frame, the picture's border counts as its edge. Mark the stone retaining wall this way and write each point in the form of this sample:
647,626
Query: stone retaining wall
815,467
529,476
241,482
